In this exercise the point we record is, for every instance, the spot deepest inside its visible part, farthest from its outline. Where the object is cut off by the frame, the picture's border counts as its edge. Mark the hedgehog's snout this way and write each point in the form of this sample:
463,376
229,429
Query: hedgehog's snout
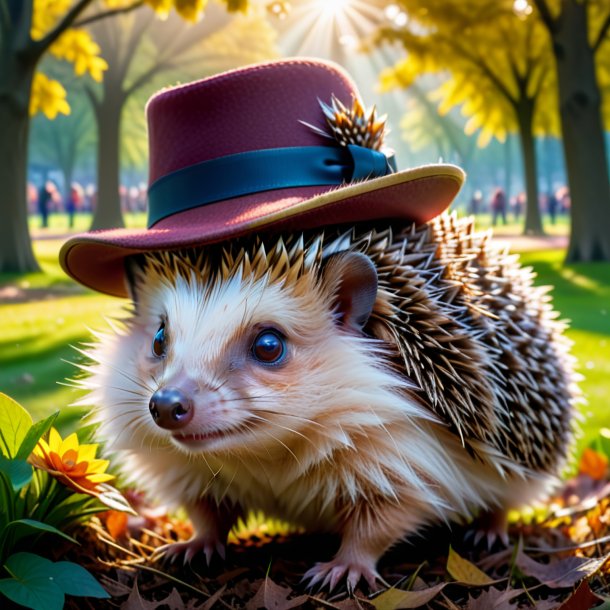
171,408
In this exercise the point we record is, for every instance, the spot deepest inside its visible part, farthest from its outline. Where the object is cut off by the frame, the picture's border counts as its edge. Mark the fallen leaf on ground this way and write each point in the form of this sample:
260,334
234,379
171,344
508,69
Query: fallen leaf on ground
464,571
393,599
135,601
563,573
273,597
582,599
494,599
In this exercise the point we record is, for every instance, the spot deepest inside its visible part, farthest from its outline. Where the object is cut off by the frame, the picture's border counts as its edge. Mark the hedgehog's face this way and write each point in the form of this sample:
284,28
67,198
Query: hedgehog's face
246,364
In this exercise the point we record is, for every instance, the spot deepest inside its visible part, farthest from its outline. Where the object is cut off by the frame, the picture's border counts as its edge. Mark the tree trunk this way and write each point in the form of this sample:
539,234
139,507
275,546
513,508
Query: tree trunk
108,113
533,220
583,136
16,254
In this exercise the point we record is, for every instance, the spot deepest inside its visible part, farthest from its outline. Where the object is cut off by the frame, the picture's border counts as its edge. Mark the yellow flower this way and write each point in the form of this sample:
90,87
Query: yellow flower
71,463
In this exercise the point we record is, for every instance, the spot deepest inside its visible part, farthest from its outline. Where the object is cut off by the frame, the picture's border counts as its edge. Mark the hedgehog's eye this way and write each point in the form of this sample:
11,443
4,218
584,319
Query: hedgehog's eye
269,347
158,344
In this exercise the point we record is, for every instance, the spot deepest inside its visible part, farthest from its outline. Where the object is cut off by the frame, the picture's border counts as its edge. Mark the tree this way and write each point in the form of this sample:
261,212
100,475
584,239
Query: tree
498,67
139,50
28,30
579,33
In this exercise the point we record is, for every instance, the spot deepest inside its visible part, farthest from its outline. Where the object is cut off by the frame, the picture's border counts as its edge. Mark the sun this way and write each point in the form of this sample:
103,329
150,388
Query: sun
332,8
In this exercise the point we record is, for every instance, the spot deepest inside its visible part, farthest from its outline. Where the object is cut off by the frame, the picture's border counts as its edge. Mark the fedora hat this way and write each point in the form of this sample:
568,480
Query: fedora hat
284,145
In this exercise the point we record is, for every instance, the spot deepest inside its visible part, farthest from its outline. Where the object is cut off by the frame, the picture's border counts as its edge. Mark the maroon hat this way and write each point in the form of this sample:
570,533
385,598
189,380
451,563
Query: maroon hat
282,145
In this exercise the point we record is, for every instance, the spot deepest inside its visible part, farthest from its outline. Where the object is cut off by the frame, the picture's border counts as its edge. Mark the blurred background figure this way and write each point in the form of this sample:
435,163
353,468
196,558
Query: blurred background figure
74,203
498,206
45,201
475,202
519,205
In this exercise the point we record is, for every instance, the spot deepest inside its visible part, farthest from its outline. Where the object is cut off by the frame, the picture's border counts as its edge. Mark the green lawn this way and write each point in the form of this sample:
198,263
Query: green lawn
37,335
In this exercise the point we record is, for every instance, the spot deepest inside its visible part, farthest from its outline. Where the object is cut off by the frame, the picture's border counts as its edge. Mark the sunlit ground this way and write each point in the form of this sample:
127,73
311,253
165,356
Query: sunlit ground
35,345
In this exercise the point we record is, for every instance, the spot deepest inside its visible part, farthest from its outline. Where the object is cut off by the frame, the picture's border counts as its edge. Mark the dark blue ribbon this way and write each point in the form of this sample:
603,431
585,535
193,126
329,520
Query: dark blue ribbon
263,170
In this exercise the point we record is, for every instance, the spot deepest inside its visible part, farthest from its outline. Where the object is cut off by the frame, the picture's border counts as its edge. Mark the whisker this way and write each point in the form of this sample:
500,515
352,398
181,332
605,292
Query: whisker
299,417
264,419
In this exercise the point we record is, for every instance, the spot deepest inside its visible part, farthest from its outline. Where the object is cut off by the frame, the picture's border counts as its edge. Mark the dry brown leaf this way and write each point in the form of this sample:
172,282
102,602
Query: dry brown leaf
563,573
493,599
136,602
394,599
464,571
273,597
582,599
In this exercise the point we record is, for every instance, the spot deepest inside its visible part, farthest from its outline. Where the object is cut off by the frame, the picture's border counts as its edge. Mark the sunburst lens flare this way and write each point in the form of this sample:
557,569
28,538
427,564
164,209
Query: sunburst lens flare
332,8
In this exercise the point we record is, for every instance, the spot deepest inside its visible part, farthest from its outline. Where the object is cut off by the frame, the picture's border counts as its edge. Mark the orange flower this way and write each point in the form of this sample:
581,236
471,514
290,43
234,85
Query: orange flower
71,463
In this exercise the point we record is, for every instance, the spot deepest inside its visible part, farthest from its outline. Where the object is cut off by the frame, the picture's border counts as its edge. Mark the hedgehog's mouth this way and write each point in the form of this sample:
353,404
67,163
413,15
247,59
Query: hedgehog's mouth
195,439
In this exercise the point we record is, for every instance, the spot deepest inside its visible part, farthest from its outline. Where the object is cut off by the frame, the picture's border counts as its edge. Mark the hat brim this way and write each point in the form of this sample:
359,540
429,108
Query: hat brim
96,259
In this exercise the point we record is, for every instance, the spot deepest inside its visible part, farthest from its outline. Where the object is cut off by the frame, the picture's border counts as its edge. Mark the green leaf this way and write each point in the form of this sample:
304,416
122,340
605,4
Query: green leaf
15,422
28,527
33,435
32,584
75,580
19,472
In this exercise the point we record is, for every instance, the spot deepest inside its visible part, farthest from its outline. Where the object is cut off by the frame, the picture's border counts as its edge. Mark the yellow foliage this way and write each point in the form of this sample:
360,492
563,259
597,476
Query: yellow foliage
46,14
161,7
77,46
191,10
48,96
492,60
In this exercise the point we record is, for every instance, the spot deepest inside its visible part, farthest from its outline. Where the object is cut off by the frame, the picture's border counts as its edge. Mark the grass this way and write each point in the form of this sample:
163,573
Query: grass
561,226
582,295
58,222
37,334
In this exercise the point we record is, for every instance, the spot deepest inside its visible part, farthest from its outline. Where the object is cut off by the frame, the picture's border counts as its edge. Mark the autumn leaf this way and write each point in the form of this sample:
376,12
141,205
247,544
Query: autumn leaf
594,464
462,570
393,599
581,599
563,573
136,602
273,597
494,599
116,523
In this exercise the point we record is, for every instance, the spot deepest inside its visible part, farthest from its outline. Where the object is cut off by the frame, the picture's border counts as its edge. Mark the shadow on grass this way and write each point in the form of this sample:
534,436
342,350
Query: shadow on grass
581,292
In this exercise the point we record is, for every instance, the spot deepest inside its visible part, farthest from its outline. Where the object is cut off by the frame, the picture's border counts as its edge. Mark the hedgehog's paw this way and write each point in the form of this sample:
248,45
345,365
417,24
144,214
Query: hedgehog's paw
189,549
331,573
489,528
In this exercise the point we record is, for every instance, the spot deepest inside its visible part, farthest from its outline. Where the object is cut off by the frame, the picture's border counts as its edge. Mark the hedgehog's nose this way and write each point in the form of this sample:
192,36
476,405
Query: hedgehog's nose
171,408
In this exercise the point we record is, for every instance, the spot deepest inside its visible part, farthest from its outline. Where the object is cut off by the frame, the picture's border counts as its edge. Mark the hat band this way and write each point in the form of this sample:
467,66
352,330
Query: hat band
263,170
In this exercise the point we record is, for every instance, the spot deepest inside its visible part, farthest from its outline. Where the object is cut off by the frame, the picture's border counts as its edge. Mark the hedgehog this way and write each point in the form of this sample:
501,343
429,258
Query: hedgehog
364,381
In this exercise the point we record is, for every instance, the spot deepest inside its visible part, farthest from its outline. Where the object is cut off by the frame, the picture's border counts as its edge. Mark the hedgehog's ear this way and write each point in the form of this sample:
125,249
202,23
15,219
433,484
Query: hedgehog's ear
352,278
